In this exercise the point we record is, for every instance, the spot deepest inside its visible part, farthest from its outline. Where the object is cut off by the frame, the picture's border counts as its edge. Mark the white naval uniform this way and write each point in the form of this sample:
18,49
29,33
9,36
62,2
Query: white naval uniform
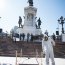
47,47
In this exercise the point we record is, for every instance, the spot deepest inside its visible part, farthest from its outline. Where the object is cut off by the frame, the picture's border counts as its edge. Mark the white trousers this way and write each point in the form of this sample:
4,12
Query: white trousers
49,54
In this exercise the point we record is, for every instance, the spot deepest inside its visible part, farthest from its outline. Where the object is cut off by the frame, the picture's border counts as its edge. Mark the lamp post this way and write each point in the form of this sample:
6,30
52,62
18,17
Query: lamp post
61,21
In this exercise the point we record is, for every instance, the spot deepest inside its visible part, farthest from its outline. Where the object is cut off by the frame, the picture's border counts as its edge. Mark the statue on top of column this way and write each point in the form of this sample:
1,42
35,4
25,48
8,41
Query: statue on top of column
30,2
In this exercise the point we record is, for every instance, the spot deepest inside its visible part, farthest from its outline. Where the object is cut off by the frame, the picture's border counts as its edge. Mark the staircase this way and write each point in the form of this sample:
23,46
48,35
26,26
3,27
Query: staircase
29,49
9,47
59,50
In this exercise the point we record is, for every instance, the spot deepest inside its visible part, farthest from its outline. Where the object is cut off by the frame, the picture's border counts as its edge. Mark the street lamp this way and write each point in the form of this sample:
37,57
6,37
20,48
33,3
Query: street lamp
61,21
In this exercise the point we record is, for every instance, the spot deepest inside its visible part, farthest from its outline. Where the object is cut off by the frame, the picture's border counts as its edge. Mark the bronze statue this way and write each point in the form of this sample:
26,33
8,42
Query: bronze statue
30,2
39,22
20,21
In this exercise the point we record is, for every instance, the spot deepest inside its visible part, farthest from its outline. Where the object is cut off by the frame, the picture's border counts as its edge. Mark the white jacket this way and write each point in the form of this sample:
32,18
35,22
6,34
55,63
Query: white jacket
47,46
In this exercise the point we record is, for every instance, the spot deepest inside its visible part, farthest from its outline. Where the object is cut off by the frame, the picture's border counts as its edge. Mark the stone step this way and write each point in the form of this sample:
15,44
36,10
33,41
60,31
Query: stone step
8,48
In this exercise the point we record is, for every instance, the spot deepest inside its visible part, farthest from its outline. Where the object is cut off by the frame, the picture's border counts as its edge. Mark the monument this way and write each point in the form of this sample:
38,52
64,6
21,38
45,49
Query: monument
29,26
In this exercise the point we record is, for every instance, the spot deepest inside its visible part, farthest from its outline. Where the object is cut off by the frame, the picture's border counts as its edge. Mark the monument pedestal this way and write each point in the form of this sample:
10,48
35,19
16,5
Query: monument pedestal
30,30
29,23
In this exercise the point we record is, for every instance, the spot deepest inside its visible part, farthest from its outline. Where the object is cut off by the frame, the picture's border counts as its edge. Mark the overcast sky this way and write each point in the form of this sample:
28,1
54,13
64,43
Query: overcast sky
48,10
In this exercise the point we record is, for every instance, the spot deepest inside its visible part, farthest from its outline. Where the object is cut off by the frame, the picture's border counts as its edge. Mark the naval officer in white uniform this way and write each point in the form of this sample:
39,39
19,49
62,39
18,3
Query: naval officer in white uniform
47,47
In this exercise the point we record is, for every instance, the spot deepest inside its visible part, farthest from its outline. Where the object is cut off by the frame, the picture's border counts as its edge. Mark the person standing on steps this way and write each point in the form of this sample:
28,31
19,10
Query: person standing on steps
47,47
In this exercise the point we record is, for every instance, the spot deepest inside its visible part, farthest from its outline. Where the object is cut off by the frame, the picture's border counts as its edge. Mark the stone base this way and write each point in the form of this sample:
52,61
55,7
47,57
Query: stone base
30,30
63,37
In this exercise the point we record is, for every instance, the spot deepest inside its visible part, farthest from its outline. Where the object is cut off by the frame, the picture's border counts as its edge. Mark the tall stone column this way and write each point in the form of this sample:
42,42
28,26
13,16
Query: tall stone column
30,15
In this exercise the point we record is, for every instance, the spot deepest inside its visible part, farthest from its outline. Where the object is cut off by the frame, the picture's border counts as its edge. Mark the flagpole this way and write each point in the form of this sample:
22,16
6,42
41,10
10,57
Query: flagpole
41,57
16,57
37,56
21,53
